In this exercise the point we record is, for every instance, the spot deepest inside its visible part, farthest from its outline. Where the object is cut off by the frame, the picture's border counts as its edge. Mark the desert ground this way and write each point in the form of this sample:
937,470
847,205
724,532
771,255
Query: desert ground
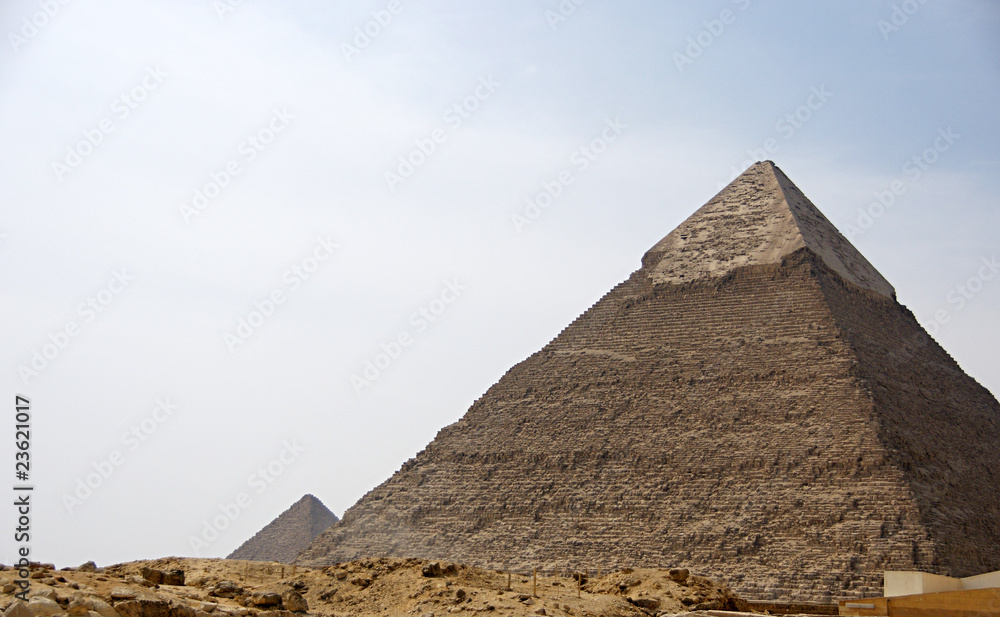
183,587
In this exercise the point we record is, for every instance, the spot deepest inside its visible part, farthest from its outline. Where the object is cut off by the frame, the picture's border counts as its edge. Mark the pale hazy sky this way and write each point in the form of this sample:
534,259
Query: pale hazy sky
173,168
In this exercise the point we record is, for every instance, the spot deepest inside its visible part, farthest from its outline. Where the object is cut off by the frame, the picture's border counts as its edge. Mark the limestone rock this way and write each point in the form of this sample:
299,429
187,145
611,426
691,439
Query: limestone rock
89,566
679,574
139,580
18,609
226,589
43,592
152,575
96,605
265,598
293,601
122,592
77,610
146,607
180,609
43,607
646,603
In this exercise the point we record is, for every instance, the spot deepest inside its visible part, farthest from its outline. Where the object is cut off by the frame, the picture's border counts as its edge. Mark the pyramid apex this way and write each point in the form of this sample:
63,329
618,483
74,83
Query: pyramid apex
293,530
758,218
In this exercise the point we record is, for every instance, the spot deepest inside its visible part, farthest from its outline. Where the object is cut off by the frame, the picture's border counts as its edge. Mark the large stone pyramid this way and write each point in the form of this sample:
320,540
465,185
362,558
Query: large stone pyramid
293,530
752,403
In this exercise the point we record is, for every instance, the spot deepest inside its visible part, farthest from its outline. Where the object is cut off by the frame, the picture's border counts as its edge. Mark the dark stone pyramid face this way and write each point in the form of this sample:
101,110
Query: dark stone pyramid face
283,538
752,404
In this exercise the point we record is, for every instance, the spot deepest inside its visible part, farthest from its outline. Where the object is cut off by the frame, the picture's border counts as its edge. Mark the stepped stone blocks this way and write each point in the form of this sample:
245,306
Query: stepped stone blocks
752,403
293,530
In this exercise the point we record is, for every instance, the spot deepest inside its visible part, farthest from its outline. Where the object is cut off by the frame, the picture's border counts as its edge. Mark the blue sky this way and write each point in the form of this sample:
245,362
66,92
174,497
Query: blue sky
262,106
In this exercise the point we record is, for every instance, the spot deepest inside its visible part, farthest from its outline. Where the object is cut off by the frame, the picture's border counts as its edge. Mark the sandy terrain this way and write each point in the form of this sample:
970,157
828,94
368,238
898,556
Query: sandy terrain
383,587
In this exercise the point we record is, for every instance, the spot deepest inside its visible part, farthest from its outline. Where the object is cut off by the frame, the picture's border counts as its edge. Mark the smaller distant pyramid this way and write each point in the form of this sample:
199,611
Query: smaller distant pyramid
283,538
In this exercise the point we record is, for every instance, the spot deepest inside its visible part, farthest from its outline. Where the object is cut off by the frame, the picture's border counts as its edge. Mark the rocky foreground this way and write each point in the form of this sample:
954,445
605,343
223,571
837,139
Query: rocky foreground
174,587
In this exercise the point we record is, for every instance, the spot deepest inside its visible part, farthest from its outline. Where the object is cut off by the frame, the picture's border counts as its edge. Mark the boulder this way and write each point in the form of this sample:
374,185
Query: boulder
152,575
265,598
180,609
678,574
145,607
226,589
18,609
95,605
123,593
138,580
173,577
293,601
646,603
76,609
43,607
90,566
43,592
432,569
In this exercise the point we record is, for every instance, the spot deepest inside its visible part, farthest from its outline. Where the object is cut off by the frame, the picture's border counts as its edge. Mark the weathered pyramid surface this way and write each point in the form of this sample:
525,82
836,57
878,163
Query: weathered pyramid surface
761,219
284,537
752,403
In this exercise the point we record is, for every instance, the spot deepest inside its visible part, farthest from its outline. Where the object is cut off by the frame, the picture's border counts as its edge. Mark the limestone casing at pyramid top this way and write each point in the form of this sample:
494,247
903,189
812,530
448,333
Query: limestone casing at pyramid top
759,218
